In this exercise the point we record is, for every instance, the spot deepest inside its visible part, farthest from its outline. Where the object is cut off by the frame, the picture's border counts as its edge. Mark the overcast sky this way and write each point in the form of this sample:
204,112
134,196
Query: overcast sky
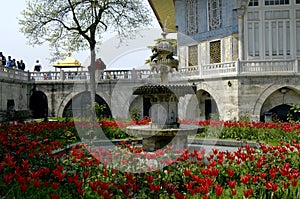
13,43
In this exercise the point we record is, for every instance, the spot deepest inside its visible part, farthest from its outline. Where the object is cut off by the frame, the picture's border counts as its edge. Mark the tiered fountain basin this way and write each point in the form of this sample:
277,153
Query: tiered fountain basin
155,138
164,129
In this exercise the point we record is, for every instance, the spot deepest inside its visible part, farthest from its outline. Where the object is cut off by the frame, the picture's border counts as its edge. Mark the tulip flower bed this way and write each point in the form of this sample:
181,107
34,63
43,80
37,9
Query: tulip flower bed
255,131
30,169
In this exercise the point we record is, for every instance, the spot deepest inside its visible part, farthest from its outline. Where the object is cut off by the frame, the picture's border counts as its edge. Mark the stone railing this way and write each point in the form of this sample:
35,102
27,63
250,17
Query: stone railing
11,73
84,75
253,67
210,70
60,75
219,69
267,66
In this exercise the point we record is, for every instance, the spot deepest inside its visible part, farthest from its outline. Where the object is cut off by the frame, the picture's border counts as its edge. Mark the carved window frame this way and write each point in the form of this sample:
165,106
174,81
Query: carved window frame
191,17
214,14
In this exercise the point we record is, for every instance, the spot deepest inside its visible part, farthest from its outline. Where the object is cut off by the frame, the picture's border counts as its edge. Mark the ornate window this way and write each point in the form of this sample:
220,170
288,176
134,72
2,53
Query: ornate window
214,13
215,52
276,2
193,55
192,24
253,3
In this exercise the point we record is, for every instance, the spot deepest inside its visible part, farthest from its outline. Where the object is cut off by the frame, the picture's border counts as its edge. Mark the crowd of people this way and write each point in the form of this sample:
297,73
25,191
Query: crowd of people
11,62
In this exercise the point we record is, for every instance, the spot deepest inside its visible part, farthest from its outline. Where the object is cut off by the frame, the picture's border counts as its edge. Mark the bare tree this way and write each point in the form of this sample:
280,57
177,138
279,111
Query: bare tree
79,24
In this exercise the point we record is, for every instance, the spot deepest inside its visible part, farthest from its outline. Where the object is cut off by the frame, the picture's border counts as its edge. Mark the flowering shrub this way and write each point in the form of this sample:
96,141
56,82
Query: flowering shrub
30,167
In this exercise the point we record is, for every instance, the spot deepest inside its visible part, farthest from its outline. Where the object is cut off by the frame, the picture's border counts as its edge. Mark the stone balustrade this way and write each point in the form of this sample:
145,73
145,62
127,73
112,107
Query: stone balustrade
11,73
252,67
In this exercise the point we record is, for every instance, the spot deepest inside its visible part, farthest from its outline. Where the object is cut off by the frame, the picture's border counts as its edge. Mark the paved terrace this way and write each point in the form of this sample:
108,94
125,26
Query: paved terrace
228,69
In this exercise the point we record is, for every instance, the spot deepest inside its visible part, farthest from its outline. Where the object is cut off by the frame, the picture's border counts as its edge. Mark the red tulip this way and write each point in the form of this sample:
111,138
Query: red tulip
80,191
232,184
215,151
187,172
154,188
55,185
248,193
245,179
8,177
37,184
230,173
219,189
285,185
23,186
233,191
254,179
54,196
262,175
271,185
273,172
93,185
205,197
294,182
86,174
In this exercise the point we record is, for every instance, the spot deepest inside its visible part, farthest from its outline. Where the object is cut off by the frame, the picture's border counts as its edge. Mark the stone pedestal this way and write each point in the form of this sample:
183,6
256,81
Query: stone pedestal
160,142
157,138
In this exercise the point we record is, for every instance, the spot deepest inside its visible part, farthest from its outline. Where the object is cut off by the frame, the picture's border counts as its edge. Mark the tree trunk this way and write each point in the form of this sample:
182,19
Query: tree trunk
92,82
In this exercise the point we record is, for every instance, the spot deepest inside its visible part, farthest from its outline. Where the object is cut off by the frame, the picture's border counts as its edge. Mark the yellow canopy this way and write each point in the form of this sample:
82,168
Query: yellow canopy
68,62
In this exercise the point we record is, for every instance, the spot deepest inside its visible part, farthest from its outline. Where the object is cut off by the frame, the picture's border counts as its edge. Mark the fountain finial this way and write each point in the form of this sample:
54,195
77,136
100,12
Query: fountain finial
164,61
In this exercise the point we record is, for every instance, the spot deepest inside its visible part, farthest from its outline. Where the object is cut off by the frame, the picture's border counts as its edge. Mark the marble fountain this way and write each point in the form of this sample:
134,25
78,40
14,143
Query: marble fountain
164,129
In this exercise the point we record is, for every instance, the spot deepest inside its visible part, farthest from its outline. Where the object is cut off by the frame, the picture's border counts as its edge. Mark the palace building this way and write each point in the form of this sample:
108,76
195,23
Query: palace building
241,53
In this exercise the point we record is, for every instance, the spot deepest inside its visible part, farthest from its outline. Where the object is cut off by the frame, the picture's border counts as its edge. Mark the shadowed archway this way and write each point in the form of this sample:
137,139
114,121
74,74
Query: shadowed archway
38,104
282,111
78,106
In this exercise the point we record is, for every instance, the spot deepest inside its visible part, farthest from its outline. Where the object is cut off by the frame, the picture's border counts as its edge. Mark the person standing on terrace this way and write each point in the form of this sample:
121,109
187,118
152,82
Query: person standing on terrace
2,59
22,64
9,62
37,66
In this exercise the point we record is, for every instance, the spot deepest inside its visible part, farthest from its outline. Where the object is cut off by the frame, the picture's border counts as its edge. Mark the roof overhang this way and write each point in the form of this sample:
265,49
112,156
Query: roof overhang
164,11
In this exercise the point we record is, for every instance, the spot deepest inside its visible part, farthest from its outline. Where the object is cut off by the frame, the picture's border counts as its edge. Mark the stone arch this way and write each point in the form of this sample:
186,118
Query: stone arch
210,94
69,98
38,104
264,103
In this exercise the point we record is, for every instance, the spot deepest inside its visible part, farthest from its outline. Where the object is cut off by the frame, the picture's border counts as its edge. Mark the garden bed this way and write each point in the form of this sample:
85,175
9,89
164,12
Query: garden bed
30,169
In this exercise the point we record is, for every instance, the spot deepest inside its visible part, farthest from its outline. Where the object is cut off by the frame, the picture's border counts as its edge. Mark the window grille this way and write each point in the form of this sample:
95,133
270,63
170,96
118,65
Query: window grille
193,55
215,52
192,24
214,11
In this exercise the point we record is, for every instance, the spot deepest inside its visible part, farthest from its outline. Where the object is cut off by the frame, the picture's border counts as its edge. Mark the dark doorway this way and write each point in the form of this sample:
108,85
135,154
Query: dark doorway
281,113
146,106
210,108
38,104
78,106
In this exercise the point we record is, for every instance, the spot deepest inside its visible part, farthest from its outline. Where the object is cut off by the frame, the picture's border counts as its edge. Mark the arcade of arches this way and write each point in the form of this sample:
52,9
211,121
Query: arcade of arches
201,106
